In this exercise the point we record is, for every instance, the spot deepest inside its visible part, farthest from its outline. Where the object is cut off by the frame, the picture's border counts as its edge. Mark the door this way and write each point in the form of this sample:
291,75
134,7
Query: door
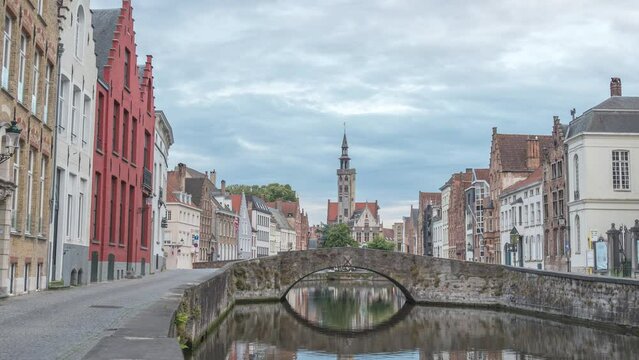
94,266
111,267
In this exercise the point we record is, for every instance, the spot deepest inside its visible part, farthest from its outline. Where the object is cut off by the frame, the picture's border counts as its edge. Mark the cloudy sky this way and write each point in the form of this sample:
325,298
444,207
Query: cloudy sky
259,90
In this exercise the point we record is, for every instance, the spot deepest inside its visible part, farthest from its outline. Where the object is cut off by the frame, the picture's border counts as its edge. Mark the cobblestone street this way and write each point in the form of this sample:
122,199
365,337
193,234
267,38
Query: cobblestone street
66,324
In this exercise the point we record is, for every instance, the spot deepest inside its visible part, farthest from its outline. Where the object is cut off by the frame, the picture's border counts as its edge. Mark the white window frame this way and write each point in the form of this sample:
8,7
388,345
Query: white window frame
16,192
30,179
62,103
43,168
69,210
22,66
36,81
85,121
80,213
74,113
6,51
47,86
79,33
621,170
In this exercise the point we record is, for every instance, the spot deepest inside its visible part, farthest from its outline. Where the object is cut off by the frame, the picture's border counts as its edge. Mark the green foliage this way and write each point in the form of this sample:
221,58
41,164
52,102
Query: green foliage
379,243
338,235
269,193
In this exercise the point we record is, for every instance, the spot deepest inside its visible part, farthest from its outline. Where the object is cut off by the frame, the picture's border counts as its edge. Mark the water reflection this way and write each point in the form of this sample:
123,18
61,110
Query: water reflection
350,306
270,331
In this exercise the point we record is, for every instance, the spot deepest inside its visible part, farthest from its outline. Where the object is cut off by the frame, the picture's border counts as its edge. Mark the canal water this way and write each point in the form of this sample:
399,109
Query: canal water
369,319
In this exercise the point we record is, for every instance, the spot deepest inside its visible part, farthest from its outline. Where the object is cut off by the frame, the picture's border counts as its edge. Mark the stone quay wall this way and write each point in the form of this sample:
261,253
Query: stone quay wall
424,280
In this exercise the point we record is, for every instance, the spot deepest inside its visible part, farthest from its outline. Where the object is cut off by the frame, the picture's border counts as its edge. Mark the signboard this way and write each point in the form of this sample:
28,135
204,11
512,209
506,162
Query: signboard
601,251
196,240
590,258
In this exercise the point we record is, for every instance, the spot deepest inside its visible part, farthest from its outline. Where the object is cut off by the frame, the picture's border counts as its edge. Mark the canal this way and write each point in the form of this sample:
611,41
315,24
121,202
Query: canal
366,317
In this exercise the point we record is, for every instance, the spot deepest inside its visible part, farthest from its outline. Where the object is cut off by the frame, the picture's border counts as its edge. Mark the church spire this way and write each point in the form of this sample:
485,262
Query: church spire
344,159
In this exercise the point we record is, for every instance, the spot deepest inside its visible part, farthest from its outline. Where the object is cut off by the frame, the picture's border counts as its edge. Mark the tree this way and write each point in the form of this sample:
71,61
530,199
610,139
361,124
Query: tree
269,193
379,243
338,235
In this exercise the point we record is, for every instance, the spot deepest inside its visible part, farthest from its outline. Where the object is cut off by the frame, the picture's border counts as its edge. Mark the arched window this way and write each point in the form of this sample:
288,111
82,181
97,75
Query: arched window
576,165
577,235
79,33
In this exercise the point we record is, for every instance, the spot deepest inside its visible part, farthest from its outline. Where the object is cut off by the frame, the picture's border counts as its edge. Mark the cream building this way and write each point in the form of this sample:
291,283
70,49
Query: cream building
183,230
69,237
602,146
445,248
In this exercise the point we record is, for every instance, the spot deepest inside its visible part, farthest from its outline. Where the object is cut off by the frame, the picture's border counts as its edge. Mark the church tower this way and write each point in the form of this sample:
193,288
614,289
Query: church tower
345,185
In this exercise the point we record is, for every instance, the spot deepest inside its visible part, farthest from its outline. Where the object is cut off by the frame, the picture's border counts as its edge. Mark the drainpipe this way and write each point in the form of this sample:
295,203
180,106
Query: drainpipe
53,202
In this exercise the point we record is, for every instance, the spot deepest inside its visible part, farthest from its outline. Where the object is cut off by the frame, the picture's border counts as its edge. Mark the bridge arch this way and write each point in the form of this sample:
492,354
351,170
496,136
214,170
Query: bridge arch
402,288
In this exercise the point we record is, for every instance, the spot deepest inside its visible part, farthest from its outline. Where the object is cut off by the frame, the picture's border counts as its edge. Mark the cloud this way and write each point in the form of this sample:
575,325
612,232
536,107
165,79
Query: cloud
260,89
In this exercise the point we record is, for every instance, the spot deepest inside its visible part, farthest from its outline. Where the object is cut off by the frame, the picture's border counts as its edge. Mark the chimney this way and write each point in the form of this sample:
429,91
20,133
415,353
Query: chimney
223,187
213,176
615,86
494,130
532,159
555,120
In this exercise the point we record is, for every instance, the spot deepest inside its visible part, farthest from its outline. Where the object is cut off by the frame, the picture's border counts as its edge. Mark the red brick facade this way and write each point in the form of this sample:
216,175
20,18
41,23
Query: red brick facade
125,122
457,214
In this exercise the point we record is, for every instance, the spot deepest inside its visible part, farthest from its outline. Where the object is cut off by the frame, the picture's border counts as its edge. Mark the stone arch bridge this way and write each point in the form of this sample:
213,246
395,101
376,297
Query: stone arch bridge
424,280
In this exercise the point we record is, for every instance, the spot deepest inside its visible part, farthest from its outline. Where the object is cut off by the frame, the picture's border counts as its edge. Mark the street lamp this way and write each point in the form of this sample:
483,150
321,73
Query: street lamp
12,135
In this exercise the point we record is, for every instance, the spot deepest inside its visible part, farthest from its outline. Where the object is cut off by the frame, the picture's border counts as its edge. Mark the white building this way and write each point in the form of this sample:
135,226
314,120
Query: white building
183,231
163,141
287,235
521,212
245,231
274,237
602,144
69,236
261,220
438,237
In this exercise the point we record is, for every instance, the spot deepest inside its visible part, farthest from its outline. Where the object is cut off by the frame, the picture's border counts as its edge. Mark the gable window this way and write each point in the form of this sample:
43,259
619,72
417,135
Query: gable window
6,51
620,170
79,33
22,66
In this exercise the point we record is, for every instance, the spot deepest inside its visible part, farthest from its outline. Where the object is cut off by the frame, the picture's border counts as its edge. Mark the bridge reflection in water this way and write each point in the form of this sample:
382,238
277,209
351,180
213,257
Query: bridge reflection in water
370,320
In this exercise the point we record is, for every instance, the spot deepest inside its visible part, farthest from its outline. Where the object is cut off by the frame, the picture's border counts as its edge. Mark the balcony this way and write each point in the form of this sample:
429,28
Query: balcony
147,181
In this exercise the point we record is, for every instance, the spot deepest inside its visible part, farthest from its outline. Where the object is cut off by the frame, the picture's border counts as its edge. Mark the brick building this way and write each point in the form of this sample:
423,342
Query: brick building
456,213
513,158
554,187
200,186
476,195
123,158
28,94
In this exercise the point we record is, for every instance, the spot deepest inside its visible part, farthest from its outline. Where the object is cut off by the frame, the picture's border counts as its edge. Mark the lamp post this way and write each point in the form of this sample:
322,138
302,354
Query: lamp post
12,135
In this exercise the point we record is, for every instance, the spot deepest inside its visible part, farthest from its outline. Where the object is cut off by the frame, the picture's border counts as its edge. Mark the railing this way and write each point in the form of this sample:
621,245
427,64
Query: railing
147,180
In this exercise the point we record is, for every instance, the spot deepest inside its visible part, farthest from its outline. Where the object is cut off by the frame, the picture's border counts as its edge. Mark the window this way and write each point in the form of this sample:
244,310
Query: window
576,166
538,213
47,86
526,215
85,121
134,135
27,270
22,66
147,150
168,215
79,33
99,121
554,170
577,235
125,134
75,104
43,170
62,103
546,213
113,208
96,205
81,207
561,203
14,198
620,170
560,168
36,81
555,210
116,120
69,215
30,181
127,68
6,51
122,212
